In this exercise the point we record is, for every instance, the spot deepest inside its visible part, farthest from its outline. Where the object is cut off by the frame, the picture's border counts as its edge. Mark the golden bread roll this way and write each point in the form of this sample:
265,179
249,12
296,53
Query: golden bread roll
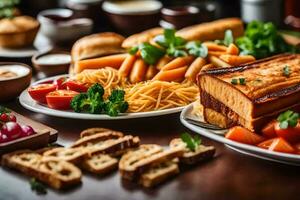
97,45
212,30
144,36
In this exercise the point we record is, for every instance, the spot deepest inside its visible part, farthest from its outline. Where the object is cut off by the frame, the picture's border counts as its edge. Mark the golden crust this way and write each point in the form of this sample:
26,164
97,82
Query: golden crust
93,131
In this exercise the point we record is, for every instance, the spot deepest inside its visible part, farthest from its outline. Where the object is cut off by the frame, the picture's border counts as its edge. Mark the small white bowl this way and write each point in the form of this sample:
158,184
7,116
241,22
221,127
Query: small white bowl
58,25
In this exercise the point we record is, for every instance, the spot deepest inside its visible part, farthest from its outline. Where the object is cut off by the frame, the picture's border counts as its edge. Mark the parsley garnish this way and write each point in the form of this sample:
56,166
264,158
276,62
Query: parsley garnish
288,119
37,186
234,81
150,54
191,142
240,81
286,71
197,49
228,38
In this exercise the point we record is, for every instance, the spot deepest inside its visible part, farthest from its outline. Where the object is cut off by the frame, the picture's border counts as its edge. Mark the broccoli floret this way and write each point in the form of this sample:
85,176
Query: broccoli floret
116,103
94,90
78,102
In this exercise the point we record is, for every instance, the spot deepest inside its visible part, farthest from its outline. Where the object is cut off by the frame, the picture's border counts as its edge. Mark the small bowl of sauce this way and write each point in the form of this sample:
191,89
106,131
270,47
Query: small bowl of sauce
52,62
14,78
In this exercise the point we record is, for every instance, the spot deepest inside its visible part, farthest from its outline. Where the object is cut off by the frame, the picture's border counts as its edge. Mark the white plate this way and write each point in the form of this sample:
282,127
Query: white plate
41,44
27,102
248,149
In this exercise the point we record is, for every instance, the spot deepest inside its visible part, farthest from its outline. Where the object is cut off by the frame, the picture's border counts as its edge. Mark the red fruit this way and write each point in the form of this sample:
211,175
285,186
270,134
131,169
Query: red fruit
60,99
76,86
12,118
290,134
12,130
27,131
39,92
61,83
269,130
266,144
3,138
4,117
281,145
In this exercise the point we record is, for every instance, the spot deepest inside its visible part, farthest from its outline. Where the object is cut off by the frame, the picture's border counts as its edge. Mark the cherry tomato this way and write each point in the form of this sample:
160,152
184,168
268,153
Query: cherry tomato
76,86
60,99
4,117
269,130
39,92
61,83
12,118
3,138
291,134
12,130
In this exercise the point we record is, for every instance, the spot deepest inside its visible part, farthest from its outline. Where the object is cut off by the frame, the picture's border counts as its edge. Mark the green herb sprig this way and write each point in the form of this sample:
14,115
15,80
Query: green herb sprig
228,38
288,119
37,186
239,81
7,8
191,142
286,71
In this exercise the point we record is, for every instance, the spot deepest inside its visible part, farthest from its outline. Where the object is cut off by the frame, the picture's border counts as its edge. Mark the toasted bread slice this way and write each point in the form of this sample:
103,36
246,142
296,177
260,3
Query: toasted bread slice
96,138
73,155
100,164
191,157
57,174
213,117
130,167
93,131
159,173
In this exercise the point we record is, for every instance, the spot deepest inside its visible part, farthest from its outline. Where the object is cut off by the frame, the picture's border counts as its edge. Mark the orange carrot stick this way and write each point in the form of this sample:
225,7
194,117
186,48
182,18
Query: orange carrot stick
138,71
171,75
178,62
127,65
211,46
237,60
151,72
113,61
216,53
194,69
233,49
162,62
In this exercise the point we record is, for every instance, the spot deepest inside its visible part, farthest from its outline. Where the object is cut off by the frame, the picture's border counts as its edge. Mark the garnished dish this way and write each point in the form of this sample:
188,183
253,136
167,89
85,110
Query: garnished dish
157,73
101,151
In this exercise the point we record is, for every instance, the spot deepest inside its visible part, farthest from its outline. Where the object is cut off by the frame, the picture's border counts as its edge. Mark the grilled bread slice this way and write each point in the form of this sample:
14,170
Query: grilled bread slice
100,164
190,157
73,155
57,174
159,173
93,131
133,164
213,117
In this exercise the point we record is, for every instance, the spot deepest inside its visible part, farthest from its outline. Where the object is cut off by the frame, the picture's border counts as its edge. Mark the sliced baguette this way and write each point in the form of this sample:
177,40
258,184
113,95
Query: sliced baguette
100,164
73,155
190,157
93,131
159,173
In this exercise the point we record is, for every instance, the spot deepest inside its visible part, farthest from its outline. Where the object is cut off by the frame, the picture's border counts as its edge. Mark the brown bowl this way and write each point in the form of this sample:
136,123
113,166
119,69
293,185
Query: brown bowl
129,22
12,87
181,16
50,69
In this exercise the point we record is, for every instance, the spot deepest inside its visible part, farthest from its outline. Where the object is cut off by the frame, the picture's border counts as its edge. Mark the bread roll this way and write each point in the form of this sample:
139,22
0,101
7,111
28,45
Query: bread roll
212,30
144,36
97,45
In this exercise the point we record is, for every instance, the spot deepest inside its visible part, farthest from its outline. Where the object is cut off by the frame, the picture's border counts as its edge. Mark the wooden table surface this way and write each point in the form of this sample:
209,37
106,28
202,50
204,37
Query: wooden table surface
229,175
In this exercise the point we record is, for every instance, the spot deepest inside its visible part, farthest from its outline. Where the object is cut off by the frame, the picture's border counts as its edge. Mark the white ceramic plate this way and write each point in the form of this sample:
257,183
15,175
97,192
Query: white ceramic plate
27,102
242,148
41,44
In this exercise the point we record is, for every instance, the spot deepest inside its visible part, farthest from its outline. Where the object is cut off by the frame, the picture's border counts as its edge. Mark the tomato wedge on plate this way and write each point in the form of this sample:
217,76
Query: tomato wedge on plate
269,130
266,144
39,92
243,135
281,145
291,134
61,83
76,86
60,99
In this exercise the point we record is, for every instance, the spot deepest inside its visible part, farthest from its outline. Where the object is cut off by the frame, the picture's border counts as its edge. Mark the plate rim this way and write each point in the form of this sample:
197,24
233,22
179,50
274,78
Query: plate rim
222,139
85,116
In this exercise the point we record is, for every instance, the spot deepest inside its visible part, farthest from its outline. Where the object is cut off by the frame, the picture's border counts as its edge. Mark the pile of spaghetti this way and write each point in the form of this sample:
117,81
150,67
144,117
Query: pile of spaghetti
159,95
143,96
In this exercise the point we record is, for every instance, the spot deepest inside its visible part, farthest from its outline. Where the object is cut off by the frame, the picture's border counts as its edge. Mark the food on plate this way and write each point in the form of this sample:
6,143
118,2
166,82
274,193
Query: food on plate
60,99
159,95
57,174
212,30
7,74
96,45
262,40
243,135
93,102
10,130
194,151
252,94
18,32
93,131
39,92
74,86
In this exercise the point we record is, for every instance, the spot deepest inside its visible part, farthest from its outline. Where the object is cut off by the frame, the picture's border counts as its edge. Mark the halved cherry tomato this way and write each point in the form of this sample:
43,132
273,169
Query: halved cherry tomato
243,135
266,144
60,99
61,83
39,92
281,145
291,134
269,130
76,86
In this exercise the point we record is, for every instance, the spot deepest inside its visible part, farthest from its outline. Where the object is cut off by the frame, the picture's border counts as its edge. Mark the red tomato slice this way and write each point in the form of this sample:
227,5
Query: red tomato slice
76,86
291,134
281,145
243,135
266,144
269,130
39,92
60,99
61,83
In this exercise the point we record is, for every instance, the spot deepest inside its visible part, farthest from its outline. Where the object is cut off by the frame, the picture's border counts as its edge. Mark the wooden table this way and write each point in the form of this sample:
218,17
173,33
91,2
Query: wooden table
229,176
